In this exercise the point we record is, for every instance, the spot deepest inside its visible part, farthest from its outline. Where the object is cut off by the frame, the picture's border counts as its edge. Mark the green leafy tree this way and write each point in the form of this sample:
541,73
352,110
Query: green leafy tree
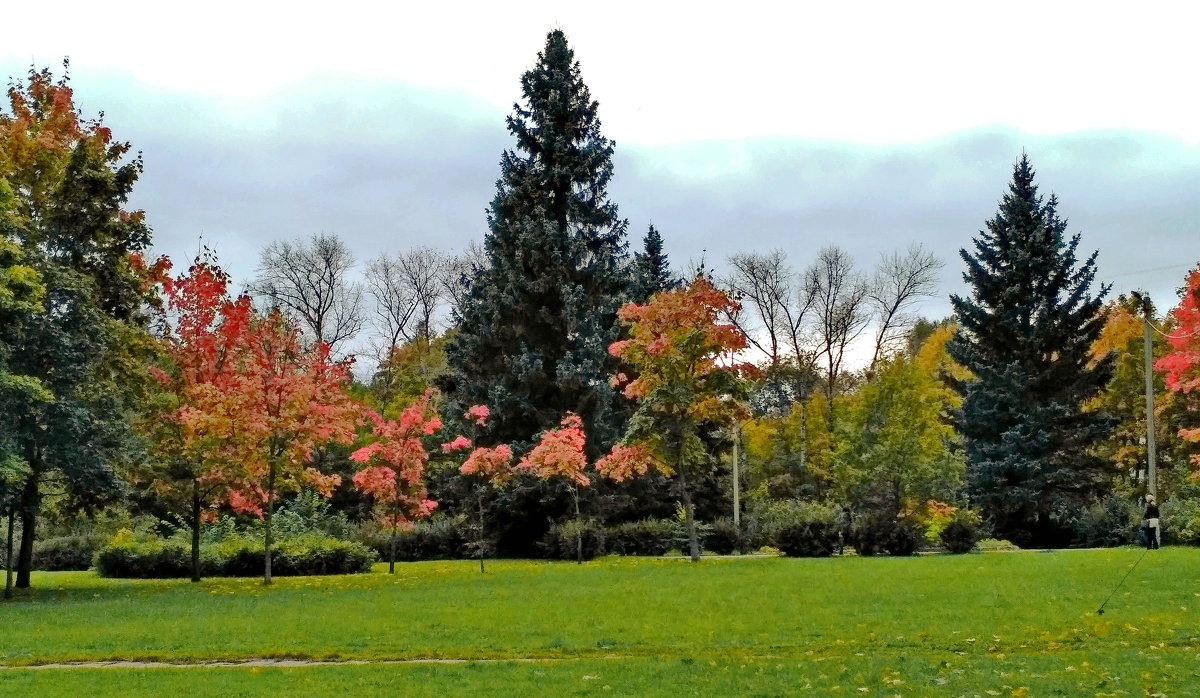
66,182
683,391
898,446
1026,330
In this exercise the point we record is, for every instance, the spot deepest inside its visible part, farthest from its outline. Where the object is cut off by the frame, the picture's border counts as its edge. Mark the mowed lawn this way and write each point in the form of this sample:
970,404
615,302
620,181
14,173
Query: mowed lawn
1009,623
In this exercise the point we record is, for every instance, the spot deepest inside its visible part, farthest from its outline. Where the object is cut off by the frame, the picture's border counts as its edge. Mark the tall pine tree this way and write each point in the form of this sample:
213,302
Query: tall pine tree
533,342
1025,334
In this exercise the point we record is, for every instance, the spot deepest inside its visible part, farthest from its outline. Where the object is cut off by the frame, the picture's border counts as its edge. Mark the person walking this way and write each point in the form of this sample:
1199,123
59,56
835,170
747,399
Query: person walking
1150,520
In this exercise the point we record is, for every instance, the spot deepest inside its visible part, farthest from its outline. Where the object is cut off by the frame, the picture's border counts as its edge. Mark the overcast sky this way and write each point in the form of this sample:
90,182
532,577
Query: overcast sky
862,124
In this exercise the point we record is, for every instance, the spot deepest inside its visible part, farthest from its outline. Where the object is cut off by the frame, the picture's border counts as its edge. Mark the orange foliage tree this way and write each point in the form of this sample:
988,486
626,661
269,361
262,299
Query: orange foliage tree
687,383
264,416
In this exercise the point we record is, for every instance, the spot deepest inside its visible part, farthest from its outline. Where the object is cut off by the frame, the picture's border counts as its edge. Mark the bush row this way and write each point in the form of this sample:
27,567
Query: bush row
309,554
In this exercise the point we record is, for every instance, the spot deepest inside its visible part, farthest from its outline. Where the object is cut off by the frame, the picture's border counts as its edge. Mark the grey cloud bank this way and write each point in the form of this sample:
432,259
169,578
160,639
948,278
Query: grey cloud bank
389,166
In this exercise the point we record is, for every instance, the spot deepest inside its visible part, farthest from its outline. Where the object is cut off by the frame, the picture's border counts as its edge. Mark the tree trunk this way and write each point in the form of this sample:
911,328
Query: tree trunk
267,517
689,510
578,527
8,566
480,540
392,552
195,530
29,505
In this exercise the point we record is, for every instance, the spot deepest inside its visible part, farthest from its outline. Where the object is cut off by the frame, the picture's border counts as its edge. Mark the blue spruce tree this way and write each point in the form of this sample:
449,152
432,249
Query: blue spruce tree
1025,333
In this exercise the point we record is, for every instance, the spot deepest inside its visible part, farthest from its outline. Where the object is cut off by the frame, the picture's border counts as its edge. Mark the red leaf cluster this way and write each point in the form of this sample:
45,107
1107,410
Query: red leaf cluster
626,461
492,464
559,453
395,473
1182,364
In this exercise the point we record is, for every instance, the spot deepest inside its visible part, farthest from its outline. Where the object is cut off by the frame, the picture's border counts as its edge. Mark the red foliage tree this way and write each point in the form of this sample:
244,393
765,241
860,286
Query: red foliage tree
491,467
265,414
1182,365
202,327
559,454
394,476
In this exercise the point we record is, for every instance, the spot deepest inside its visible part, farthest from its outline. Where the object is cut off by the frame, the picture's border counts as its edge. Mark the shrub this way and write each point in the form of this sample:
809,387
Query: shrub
809,539
993,544
236,556
439,538
724,538
561,540
881,533
959,536
769,519
144,558
647,537
1110,522
65,553
1181,521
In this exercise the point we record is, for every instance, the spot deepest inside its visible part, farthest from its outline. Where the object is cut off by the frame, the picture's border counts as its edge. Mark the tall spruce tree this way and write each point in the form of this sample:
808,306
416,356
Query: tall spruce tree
533,340
1025,333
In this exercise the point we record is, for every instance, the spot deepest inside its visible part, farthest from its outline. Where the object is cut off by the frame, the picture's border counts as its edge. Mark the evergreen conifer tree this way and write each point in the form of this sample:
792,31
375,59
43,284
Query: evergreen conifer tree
651,268
1025,334
533,341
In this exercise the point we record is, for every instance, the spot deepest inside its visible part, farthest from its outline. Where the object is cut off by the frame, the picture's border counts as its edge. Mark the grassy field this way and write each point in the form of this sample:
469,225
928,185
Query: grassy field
1009,623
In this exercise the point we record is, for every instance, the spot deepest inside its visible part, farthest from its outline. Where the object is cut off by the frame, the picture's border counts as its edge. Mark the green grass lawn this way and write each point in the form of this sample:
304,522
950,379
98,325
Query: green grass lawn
933,625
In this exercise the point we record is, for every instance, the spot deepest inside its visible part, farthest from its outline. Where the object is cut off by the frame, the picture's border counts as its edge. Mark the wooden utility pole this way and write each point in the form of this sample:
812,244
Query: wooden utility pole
1147,348
737,504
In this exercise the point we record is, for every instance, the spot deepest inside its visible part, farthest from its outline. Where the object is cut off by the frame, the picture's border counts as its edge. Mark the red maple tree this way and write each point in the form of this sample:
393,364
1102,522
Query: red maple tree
394,472
1182,365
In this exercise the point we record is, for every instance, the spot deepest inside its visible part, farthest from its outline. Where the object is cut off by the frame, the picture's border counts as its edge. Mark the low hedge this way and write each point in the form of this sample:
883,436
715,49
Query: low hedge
65,553
309,554
724,538
880,533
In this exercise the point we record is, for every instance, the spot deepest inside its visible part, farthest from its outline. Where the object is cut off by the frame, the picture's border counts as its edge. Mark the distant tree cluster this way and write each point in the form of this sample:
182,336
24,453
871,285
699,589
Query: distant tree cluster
548,389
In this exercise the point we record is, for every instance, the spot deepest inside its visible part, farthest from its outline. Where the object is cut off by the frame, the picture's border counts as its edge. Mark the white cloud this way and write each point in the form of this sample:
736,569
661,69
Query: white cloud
873,72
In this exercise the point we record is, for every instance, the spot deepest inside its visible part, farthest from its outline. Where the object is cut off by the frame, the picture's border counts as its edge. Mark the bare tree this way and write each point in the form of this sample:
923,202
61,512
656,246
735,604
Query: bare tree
781,305
307,280
408,290
457,273
900,281
839,296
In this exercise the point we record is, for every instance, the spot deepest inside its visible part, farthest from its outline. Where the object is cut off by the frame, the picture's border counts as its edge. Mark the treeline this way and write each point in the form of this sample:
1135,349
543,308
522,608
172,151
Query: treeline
550,390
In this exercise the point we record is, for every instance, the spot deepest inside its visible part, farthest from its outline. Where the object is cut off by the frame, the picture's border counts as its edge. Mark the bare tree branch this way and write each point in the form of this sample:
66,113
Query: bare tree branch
839,299
900,281
307,280
457,274
781,304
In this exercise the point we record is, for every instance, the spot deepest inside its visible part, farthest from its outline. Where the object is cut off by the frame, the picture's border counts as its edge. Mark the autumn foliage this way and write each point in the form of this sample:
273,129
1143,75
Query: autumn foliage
394,472
687,378
559,453
1181,366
